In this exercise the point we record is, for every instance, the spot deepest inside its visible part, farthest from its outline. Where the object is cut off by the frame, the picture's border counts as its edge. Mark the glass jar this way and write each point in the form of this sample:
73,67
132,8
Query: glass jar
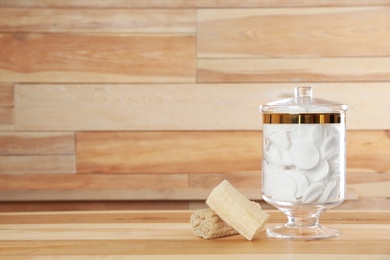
303,167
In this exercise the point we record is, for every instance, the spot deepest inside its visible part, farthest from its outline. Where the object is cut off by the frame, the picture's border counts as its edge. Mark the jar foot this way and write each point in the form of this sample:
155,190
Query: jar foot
302,229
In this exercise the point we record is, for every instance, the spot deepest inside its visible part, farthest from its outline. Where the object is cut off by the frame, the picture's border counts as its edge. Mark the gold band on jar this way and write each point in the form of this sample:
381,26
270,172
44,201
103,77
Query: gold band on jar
331,118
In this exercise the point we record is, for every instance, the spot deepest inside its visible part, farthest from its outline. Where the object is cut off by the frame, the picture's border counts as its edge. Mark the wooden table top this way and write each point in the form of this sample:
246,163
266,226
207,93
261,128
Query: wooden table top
168,235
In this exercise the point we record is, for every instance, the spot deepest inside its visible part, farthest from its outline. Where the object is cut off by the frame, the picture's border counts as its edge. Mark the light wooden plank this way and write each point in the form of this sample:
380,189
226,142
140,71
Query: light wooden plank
368,148
6,118
180,194
361,203
32,164
174,237
293,70
167,152
78,183
364,244
366,177
182,106
97,20
359,184
6,95
174,216
40,206
145,231
213,256
152,194
373,189
242,181
249,184
98,188
41,143
97,57
206,152
95,187
108,195
294,32
248,181
186,3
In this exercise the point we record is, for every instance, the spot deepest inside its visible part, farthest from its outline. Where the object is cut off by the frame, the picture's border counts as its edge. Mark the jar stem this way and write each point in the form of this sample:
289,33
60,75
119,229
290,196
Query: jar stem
308,221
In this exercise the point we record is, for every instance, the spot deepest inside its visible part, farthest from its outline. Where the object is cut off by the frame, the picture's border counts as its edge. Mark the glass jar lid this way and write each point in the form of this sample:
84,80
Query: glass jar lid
303,103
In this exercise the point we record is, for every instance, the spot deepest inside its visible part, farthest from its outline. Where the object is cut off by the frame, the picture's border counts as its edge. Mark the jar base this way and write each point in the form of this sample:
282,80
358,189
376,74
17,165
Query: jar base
302,232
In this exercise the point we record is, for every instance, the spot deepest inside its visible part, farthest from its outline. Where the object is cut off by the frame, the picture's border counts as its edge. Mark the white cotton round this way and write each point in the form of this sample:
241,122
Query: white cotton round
300,180
281,186
304,154
312,192
280,139
327,191
319,172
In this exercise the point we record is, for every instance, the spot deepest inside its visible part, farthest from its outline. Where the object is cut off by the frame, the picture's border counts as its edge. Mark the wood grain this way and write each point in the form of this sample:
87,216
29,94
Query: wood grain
293,70
172,187
168,233
373,189
151,194
97,20
167,152
74,71
181,106
6,107
362,187
360,144
366,204
33,164
39,206
31,153
82,182
250,184
41,143
97,57
6,118
295,32
139,249
186,3
6,95
139,231
206,152
172,216
350,204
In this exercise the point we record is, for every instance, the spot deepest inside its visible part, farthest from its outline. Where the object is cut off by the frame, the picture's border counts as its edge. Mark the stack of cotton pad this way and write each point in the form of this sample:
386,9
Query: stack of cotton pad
302,162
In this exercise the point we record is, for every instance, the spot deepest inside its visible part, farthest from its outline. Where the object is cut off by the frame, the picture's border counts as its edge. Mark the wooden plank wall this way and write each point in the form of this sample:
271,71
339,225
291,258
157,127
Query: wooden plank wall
150,104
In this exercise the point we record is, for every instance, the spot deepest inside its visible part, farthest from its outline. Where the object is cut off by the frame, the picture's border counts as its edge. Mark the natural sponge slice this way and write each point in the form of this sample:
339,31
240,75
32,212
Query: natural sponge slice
205,223
236,210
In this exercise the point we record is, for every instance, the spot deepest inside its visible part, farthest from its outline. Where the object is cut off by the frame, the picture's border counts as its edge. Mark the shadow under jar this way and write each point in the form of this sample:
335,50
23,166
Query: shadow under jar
303,167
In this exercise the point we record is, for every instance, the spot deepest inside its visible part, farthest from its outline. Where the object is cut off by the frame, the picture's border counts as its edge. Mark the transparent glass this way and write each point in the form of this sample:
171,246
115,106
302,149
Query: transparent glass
303,102
303,167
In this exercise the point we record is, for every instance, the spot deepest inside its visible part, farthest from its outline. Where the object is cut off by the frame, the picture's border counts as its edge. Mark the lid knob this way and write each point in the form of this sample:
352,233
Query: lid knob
303,92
